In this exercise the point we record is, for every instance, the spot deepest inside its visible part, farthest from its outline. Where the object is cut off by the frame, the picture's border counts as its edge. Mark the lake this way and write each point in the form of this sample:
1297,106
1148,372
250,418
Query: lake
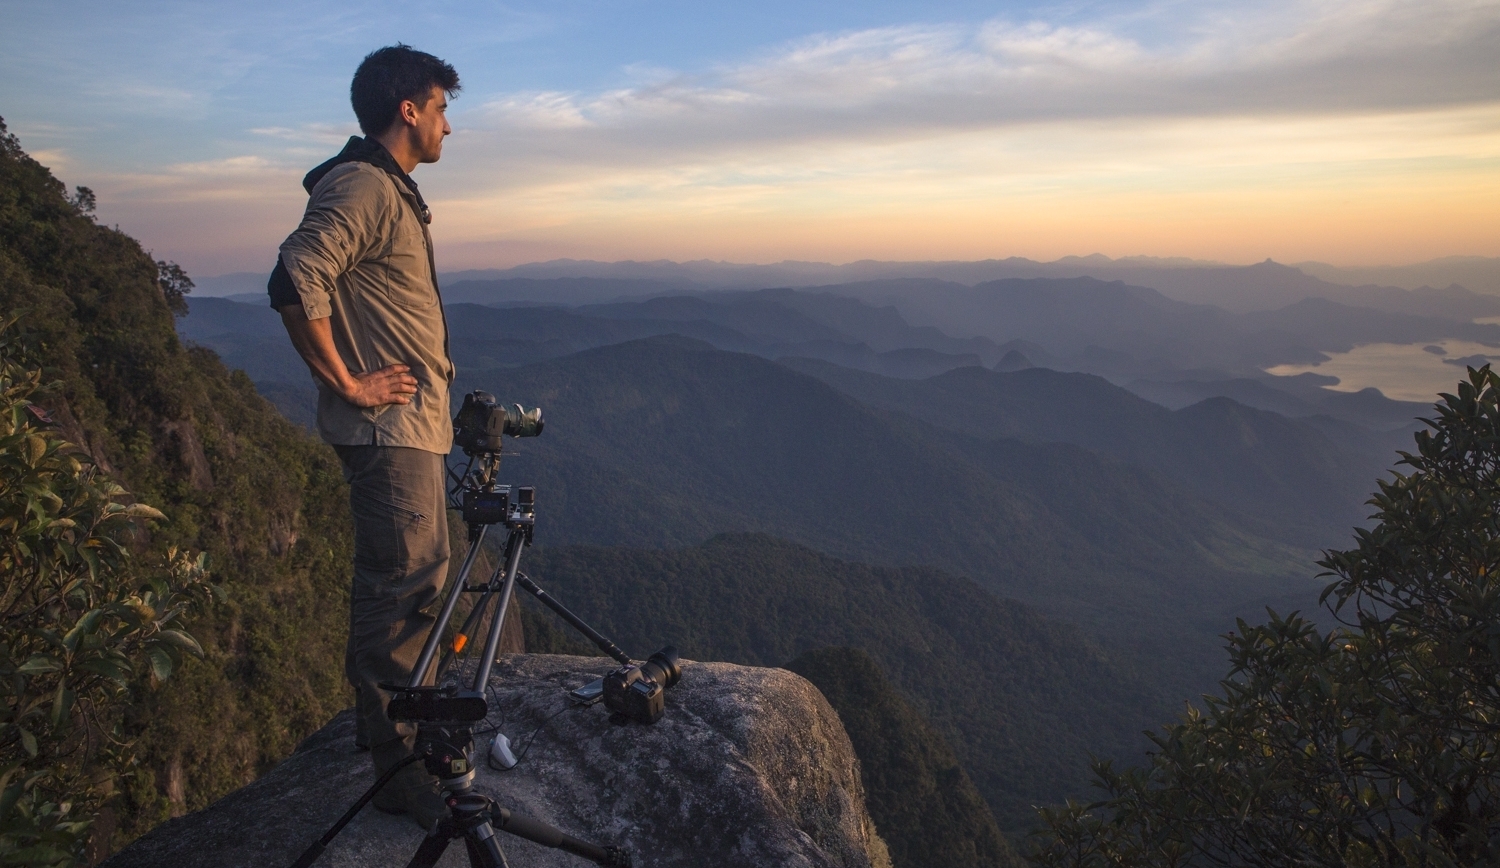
1405,372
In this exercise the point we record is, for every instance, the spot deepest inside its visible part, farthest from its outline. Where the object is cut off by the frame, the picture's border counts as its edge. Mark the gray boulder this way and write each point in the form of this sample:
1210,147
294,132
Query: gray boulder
749,767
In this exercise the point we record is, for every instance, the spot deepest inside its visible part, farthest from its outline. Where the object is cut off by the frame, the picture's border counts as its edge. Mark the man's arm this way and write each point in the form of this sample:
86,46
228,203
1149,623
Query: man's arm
313,339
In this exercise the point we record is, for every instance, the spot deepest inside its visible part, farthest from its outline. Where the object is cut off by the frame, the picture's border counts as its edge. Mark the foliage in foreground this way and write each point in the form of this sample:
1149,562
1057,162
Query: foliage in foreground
1377,743
261,497
82,628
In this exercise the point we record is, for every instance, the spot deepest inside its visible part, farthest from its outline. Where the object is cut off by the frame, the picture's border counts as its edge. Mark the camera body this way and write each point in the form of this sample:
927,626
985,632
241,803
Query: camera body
638,692
481,422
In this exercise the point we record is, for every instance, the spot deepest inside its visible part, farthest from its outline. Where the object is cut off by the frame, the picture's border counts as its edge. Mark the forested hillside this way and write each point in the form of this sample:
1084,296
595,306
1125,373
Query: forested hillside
1288,476
234,478
922,802
1369,744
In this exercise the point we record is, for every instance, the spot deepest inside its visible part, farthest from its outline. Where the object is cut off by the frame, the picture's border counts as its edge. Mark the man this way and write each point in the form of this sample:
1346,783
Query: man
357,290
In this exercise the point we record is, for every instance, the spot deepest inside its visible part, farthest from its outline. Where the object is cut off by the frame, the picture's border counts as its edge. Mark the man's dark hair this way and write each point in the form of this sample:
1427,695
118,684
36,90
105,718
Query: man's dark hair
388,76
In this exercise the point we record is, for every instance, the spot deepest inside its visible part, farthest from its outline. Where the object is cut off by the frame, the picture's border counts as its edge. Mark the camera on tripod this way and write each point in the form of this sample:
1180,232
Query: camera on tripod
446,710
481,422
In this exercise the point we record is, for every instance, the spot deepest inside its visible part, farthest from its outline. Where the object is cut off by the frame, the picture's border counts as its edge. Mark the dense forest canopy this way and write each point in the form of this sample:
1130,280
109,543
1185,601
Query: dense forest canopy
85,627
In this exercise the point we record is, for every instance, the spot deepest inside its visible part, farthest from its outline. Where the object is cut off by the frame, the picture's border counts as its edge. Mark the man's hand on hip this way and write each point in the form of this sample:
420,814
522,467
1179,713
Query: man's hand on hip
389,385
313,338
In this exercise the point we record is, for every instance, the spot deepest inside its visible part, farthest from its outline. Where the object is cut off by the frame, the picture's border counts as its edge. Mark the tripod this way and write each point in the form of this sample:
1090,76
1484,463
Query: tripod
445,715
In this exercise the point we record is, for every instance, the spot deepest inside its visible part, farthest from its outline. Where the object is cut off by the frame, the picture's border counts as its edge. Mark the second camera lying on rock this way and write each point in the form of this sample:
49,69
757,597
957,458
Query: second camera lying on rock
638,691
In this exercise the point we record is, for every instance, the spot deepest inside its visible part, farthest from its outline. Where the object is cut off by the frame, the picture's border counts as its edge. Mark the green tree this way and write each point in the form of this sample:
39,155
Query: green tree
1374,743
83,627
175,285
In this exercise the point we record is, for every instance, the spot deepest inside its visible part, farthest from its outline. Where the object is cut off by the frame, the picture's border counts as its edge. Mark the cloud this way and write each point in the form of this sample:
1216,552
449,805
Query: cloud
919,81
1280,127
230,179
319,134
1155,120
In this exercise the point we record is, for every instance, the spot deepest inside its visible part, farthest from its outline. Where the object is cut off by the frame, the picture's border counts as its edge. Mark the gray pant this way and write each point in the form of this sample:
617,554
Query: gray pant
400,563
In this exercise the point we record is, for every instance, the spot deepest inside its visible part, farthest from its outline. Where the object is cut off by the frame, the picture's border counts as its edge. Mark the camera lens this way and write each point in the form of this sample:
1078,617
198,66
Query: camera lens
662,667
523,423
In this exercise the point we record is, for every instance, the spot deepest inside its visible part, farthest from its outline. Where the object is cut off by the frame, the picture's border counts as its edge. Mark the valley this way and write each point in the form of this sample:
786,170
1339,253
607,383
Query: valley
1093,475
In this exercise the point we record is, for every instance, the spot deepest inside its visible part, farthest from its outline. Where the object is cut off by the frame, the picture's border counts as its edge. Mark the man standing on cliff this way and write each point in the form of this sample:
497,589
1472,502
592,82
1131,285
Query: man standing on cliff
357,289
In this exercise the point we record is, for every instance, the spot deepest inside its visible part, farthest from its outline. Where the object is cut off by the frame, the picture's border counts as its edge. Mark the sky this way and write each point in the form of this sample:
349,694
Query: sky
1356,132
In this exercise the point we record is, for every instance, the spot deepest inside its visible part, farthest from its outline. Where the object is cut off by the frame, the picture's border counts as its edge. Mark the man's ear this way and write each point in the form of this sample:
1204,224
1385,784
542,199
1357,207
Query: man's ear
408,112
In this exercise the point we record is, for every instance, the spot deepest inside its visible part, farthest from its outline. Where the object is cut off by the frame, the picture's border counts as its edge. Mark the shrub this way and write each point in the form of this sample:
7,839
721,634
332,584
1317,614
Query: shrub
83,627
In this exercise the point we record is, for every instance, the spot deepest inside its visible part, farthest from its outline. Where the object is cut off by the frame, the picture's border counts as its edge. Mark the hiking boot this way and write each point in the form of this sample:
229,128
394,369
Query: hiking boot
413,791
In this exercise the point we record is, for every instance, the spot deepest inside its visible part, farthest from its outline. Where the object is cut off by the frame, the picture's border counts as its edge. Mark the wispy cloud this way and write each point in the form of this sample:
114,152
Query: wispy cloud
917,81
245,178
1152,126
321,134
1140,120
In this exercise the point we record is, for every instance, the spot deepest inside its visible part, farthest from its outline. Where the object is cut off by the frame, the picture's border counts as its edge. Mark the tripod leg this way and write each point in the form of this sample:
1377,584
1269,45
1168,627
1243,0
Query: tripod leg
563,612
429,648
513,546
484,849
470,623
432,847
312,853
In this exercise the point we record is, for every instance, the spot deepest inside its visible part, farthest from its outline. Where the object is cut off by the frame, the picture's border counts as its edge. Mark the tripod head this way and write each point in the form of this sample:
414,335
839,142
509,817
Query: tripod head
445,718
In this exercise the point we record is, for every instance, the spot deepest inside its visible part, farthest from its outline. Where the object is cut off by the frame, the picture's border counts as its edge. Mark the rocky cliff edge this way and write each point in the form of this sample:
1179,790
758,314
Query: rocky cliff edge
749,767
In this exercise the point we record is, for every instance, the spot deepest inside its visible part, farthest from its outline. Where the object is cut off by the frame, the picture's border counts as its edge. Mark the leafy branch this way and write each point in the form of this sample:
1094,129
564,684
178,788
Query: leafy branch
82,625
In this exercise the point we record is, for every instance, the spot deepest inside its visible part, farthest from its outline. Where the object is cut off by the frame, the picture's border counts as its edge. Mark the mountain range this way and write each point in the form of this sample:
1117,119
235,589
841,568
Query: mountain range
666,441
1286,474
1446,286
1133,336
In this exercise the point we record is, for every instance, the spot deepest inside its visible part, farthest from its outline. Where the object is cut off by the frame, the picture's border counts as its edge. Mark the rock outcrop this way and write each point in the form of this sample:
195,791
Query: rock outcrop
750,767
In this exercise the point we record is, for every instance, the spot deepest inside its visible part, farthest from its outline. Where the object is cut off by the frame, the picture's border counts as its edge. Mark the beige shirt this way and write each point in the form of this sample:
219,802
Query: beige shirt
363,258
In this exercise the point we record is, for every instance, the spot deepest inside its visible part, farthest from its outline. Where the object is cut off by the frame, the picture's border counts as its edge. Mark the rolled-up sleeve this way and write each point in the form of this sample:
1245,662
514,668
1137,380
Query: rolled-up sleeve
341,227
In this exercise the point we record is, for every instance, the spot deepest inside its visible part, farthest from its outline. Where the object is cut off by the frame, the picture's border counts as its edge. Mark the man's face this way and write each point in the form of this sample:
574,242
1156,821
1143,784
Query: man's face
430,125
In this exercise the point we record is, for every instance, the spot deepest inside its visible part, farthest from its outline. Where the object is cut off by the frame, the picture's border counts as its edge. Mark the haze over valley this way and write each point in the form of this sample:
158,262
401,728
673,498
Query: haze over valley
1095,453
